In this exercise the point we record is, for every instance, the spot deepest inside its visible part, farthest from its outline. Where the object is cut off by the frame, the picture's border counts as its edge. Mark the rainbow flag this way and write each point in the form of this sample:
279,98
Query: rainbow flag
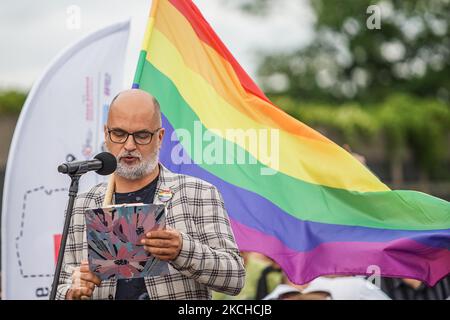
315,209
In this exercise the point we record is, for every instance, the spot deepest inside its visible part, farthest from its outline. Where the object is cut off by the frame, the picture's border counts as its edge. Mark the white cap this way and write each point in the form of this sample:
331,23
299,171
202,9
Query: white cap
347,288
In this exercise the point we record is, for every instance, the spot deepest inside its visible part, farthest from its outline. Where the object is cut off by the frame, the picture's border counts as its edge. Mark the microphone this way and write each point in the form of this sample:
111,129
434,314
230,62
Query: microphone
104,164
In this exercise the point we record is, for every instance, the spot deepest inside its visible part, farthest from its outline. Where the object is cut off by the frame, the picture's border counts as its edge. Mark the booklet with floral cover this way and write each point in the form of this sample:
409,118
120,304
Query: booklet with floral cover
114,235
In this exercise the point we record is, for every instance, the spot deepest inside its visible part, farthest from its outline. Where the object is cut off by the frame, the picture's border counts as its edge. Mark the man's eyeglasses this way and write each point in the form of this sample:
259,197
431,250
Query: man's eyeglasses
140,137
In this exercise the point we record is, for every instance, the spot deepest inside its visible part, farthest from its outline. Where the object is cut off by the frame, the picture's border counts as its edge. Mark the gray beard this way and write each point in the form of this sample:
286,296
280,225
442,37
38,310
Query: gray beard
140,170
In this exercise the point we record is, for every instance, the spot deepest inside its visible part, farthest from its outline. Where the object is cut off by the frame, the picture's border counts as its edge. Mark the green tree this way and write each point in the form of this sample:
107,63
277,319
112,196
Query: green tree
410,53
420,125
11,101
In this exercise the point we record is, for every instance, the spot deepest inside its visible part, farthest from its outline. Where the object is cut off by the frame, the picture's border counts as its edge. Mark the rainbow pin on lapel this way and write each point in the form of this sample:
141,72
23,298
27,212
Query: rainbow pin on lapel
165,195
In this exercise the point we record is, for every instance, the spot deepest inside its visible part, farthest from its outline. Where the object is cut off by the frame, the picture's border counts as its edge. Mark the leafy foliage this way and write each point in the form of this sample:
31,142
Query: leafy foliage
11,102
347,60
406,123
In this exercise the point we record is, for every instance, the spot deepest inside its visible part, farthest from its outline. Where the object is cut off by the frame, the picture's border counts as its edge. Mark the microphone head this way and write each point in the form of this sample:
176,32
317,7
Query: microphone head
63,168
109,163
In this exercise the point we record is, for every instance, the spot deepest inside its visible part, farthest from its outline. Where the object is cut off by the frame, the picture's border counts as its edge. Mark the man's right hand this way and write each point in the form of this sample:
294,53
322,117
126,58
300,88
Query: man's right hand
83,283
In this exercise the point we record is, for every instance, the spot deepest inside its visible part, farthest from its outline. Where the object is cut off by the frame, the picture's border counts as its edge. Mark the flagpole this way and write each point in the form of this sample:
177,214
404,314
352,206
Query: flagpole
145,43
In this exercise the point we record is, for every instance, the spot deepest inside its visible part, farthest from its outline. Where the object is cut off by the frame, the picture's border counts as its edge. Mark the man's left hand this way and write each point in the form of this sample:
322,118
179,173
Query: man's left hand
163,244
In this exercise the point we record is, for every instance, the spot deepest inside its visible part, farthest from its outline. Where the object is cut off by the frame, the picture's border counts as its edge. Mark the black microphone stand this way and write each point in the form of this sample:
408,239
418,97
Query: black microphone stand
73,191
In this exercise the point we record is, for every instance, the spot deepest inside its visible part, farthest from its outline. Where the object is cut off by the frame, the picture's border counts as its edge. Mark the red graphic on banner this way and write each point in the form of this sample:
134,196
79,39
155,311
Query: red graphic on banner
56,244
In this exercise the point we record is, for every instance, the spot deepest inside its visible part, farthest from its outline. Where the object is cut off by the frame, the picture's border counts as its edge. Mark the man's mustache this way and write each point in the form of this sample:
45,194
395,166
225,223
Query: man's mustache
130,154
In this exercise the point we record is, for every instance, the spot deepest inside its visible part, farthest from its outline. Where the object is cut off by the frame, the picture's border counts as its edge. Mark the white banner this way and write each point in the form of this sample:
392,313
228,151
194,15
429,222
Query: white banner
62,120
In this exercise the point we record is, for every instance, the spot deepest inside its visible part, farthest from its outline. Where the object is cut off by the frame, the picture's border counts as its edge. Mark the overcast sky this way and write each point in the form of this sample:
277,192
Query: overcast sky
33,32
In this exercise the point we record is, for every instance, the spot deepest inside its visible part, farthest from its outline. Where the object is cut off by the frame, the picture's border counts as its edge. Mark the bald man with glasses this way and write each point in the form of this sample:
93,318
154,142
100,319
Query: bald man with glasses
198,243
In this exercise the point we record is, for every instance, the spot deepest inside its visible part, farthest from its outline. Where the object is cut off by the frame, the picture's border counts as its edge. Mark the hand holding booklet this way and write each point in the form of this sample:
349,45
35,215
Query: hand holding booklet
114,235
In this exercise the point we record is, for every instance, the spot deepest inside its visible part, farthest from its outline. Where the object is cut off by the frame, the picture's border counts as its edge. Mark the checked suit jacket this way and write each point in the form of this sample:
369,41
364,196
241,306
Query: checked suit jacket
209,258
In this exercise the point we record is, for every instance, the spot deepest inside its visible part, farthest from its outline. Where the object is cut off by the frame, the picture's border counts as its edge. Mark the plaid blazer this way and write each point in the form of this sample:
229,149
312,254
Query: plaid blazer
209,258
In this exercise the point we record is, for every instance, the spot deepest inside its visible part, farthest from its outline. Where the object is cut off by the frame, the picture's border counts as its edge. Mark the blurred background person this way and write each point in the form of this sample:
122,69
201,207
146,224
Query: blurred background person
411,289
256,266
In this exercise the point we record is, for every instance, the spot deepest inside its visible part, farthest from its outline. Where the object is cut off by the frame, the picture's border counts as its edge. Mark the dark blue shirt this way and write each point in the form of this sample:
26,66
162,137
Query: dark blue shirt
134,289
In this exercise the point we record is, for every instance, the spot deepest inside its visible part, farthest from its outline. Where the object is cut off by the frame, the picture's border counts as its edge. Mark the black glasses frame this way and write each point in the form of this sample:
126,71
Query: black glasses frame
128,134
